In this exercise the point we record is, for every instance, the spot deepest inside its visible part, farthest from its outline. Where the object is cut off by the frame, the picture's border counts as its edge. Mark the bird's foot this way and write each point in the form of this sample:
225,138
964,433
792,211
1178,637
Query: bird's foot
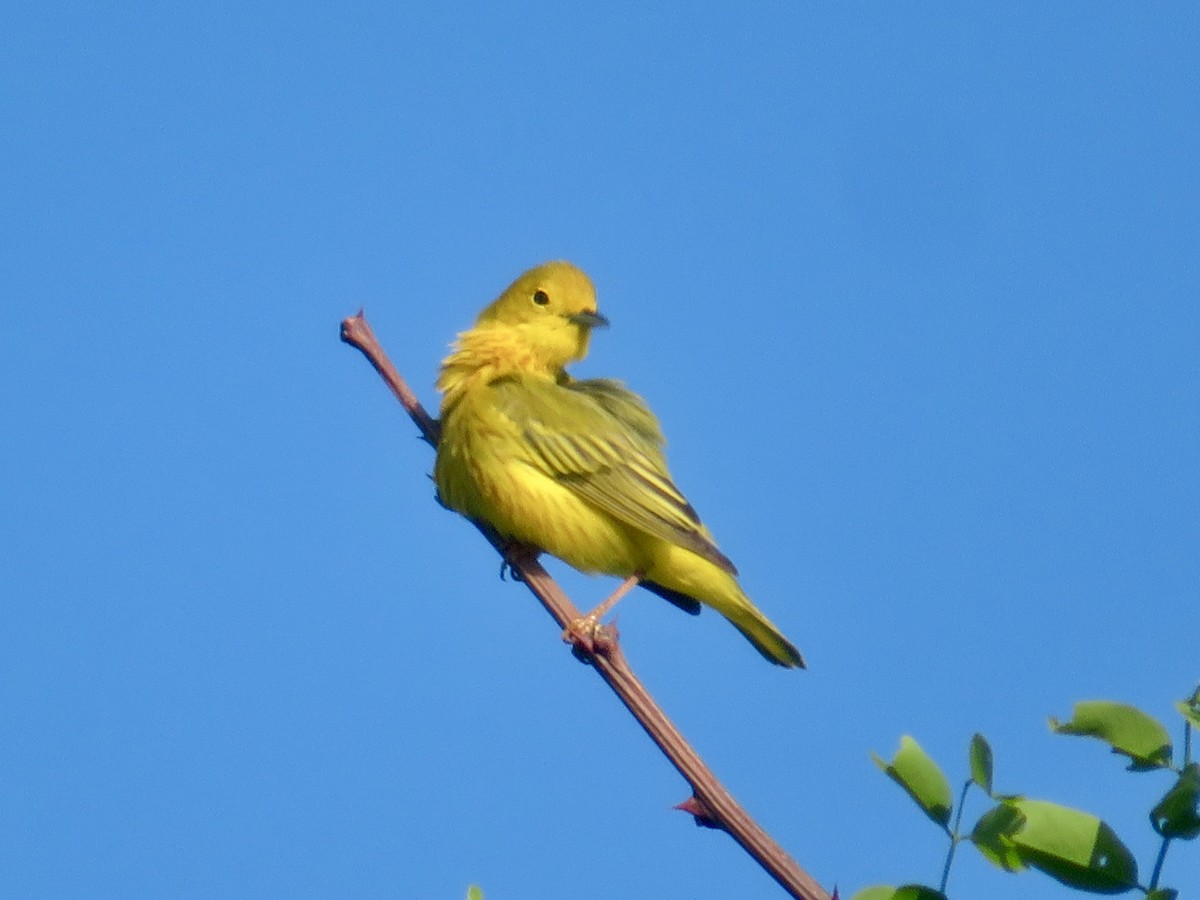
589,637
514,554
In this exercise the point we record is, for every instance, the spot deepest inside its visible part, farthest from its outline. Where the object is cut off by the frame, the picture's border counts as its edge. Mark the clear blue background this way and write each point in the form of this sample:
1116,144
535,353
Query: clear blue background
914,290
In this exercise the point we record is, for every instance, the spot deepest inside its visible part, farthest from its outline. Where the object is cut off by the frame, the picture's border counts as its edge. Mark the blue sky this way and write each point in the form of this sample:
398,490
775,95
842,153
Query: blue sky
914,289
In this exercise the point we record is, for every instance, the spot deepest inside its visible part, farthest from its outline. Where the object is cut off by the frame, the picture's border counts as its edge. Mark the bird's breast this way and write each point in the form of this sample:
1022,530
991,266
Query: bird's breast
486,471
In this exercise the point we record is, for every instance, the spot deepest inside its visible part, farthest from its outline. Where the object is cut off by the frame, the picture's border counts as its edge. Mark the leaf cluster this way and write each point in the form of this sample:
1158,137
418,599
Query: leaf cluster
1072,846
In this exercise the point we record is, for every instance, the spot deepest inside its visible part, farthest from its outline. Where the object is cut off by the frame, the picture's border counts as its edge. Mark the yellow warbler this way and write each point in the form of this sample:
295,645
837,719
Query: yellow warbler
575,467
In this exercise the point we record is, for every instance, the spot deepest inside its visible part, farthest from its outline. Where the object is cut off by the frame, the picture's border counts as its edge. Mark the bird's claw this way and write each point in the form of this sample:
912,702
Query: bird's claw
588,637
513,555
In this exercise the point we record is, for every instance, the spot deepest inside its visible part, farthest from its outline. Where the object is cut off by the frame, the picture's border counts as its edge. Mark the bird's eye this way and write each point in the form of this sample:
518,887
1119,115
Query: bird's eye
541,298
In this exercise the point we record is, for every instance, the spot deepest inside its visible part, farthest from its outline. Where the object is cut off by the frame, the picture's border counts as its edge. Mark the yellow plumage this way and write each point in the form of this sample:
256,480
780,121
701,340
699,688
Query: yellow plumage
575,468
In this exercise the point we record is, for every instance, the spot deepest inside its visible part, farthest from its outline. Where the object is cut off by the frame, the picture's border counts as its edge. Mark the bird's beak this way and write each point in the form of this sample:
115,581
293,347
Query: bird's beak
588,319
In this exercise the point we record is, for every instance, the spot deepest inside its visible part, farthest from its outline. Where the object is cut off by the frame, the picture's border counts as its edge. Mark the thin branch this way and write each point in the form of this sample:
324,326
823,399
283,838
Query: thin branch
712,804
1158,862
357,333
954,835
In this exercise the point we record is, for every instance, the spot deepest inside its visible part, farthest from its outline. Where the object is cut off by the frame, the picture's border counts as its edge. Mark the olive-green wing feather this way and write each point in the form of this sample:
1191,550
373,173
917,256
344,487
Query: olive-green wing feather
600,440
624,405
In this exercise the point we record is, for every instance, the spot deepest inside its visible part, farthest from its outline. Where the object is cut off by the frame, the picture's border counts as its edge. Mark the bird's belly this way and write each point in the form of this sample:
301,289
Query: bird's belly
531,507
481,474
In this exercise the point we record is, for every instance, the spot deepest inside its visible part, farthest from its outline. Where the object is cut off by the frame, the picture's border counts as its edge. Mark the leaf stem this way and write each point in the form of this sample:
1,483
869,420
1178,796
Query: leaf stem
1158,863
955,837
1187,743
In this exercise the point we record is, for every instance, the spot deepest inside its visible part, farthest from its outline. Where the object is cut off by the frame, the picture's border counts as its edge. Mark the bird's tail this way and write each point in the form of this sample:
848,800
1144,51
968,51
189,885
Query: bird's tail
681,575
760,631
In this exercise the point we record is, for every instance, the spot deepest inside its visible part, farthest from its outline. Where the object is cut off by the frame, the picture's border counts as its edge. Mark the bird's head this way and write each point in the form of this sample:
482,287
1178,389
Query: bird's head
553,307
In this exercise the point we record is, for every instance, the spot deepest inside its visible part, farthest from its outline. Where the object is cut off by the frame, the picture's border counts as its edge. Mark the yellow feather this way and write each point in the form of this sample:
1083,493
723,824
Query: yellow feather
574,467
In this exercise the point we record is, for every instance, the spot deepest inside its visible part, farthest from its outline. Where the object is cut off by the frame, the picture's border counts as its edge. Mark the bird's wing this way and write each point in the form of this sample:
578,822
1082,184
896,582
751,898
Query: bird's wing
624,405
601,441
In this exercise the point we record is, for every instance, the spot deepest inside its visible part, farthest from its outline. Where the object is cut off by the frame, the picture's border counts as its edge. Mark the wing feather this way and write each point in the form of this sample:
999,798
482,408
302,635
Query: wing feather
602,442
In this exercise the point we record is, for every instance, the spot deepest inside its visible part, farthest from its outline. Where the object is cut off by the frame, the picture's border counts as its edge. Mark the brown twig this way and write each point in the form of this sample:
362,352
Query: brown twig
711,804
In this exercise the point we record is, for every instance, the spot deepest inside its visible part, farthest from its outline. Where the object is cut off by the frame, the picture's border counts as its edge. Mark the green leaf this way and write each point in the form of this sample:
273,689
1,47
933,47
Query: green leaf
980,756
919,775
1162,894
876,892
1190,708
1177,814
1189,713
918,892
474,892
1072,847
1125,728
905,892
991,836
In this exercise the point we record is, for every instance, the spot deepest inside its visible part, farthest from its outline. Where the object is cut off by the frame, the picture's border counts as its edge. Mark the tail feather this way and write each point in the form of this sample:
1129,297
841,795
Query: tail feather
762,633
735,606
680,575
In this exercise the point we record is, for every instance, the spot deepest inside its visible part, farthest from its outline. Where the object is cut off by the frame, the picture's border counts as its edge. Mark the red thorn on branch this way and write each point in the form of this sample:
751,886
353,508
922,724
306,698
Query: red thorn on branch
696,808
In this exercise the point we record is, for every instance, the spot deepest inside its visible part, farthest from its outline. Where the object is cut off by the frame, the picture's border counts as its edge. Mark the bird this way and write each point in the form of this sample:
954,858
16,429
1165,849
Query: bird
575,467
